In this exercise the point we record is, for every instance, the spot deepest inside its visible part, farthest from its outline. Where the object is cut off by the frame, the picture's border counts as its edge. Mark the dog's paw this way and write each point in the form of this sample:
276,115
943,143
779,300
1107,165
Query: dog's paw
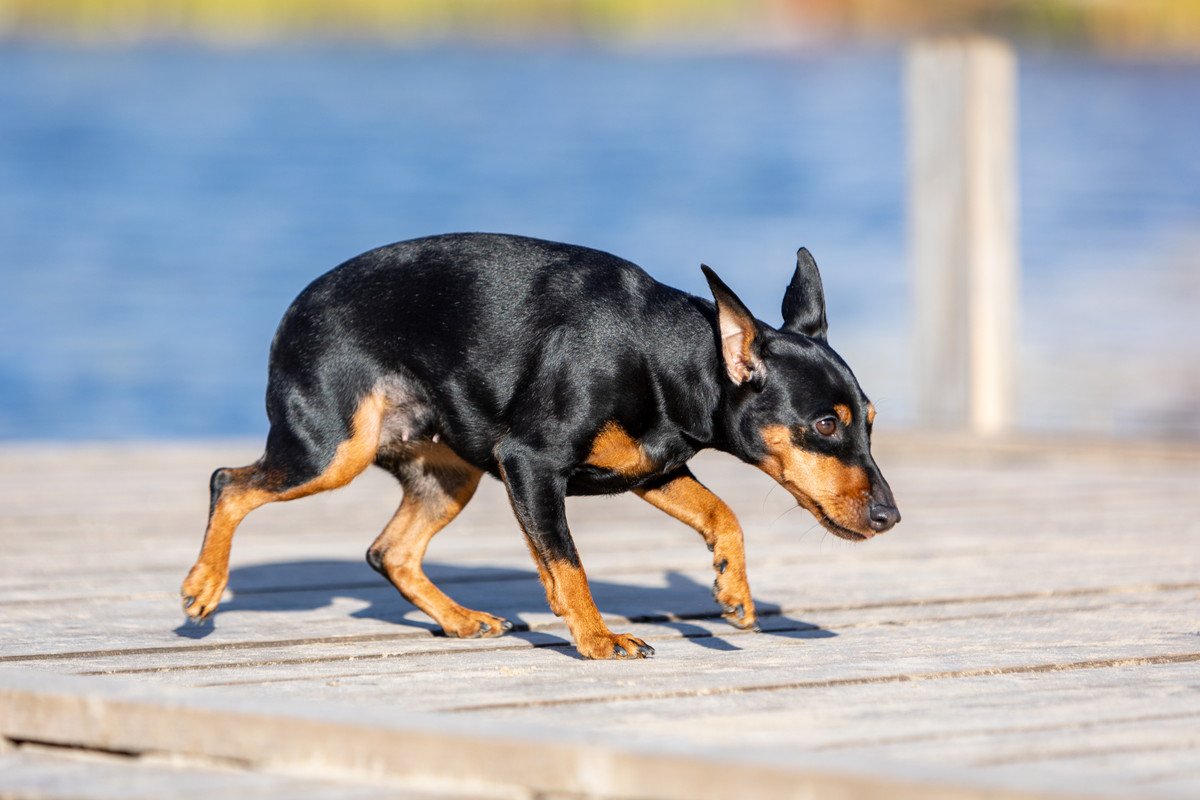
732,594
614,645
201,591
469,624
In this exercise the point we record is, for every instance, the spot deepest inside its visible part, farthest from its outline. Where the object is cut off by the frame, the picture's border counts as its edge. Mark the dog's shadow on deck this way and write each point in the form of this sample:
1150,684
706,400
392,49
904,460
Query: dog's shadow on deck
512,593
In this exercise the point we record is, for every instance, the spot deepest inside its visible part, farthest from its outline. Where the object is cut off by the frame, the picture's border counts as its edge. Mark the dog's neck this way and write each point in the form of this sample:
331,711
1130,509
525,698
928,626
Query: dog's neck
716,420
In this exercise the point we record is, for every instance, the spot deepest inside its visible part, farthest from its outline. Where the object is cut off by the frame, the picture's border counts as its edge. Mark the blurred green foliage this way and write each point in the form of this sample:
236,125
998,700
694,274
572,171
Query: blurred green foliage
1166,26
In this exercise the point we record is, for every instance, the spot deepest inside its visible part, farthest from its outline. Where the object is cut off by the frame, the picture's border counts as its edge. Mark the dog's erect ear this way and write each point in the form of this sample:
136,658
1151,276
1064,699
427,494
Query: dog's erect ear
804,300
739,332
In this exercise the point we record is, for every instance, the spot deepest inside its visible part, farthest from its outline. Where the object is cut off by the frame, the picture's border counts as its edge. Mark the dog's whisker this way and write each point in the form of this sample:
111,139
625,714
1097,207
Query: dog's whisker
784,513
767,496
809,529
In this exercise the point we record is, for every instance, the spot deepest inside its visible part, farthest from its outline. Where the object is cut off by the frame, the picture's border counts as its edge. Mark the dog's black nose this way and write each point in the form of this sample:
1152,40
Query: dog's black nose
883,517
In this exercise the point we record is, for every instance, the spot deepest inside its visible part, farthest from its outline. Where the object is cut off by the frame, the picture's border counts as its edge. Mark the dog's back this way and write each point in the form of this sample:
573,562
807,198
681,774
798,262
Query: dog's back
478,327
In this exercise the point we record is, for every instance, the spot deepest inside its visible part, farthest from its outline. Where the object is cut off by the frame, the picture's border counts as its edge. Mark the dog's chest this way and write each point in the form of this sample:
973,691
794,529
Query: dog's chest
617,462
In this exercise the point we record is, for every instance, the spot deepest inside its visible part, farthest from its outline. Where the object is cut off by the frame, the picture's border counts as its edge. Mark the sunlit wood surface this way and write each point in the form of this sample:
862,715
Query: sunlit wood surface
1031,628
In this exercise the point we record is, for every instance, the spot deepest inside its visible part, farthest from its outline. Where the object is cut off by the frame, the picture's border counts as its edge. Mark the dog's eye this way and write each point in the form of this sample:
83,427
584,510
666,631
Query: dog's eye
826,426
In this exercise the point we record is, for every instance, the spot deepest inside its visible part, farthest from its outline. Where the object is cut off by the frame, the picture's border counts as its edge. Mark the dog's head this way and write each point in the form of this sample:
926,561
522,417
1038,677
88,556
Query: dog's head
796,410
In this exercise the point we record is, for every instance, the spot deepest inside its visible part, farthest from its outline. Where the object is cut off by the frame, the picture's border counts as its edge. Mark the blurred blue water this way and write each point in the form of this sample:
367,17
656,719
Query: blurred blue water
160,206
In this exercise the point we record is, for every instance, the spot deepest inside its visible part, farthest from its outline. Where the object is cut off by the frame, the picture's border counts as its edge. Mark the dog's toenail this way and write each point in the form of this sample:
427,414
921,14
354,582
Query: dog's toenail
619,651
484,627
197,621
188,602
646,650
506,625
721,567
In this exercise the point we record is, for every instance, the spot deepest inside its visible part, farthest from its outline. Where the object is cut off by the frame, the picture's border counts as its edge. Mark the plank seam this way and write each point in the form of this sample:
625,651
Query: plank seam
1086,752
978,672
1015,730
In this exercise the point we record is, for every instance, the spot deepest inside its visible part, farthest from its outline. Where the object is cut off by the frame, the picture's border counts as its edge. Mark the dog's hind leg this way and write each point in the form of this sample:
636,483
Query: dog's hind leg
437,485
295,464
692,503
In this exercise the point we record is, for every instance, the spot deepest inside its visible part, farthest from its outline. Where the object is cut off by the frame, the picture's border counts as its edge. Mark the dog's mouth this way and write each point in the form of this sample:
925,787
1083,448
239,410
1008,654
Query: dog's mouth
827,522
840,530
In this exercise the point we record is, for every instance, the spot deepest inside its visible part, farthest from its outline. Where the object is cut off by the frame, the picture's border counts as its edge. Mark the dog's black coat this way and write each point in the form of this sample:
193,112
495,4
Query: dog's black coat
515,351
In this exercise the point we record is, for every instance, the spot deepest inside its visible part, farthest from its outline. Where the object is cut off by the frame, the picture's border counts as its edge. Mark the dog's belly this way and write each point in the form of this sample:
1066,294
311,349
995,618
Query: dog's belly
589,480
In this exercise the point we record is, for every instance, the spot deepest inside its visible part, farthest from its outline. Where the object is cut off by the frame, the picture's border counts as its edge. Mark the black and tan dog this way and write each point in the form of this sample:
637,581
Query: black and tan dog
560,370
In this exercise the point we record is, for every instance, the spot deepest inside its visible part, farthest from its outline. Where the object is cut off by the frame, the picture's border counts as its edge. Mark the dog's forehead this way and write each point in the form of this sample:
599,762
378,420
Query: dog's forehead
814,370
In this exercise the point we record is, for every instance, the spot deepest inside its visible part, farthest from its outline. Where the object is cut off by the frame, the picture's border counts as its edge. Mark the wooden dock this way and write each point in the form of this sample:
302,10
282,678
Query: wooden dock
1031,629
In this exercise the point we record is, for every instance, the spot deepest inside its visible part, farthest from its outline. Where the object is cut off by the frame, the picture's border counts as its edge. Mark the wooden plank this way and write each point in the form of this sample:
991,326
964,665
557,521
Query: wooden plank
1031,593
258,659
40,773
738,663
373,743
30,629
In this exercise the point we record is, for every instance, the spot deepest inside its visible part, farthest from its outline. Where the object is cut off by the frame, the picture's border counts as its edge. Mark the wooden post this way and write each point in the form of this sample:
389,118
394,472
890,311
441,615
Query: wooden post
962,229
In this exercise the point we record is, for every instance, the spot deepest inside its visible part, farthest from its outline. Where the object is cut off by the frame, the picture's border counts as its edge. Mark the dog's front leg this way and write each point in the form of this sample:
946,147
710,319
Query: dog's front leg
689,501
537,490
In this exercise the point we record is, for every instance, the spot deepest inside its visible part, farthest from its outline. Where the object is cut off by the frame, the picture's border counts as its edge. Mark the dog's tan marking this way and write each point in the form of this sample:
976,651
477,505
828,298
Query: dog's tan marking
353,455
691,502
547,579
870,413
616,450
249,489
426,510
843,413
824,485
592,637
